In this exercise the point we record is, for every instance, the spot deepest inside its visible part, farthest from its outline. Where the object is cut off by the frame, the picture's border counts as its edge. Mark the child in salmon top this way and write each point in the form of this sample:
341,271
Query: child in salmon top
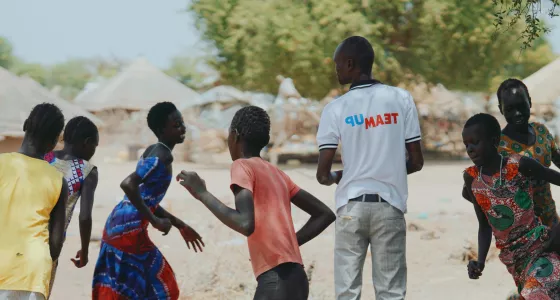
263,197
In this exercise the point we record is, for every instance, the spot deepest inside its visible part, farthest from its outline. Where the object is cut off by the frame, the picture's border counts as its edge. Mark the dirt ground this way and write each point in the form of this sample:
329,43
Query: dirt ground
440,225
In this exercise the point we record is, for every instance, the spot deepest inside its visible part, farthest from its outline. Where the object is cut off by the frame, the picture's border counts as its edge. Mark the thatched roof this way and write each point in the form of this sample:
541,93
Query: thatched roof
18,96
543,85
137,87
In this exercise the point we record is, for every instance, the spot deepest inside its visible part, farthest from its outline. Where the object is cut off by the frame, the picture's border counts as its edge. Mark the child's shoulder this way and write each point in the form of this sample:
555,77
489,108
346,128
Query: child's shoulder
157,155
254,163
470,173
540,127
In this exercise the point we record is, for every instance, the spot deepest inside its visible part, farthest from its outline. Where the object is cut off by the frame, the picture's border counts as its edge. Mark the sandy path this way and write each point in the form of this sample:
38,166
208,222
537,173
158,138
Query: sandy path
223,271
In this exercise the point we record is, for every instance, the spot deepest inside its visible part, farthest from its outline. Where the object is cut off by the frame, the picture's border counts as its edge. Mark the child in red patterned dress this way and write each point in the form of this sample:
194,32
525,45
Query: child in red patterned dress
501,191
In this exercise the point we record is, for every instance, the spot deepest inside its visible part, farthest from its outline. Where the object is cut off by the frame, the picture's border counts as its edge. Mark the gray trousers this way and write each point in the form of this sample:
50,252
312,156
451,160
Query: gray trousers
381,226
20,295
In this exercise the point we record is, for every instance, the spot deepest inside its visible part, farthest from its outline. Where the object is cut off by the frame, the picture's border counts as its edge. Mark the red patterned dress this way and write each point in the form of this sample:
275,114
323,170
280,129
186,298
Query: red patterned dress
520,235
541,151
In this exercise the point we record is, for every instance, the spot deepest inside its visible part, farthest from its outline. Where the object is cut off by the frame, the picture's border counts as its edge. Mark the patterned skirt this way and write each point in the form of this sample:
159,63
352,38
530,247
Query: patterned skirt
542,278
120,275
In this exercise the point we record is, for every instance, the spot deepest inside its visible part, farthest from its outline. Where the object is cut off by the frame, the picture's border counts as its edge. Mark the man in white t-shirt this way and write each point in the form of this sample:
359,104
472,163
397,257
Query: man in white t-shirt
376,125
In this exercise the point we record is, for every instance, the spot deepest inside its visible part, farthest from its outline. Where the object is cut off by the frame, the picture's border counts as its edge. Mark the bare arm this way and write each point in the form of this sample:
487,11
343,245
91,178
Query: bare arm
240,219
415,160
162,213
86,208
324,174
321,216
57,222
532,168
465,194
130,186
484,229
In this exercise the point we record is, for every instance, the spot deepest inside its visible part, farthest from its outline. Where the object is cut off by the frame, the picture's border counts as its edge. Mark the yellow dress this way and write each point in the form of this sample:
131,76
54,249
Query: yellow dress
29,190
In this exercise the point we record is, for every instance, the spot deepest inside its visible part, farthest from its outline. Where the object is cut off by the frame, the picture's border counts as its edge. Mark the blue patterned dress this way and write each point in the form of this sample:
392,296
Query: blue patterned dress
130,266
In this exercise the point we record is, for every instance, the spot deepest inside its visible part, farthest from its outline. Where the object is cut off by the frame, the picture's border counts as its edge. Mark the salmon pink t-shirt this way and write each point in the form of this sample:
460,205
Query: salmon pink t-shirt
274,240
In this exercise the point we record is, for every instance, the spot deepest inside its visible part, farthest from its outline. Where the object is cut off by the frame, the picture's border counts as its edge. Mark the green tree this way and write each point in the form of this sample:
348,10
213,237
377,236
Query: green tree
71,76
258,40
509,13
460,48
74,73
103,67
36,71
6,55
452,42
185,69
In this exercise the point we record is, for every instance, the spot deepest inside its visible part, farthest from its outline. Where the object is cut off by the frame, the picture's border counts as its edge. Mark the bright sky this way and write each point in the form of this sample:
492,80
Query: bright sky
51,31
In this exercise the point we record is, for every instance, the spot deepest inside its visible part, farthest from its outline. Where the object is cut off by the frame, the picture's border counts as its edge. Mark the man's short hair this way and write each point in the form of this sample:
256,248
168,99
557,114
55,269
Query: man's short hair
359,49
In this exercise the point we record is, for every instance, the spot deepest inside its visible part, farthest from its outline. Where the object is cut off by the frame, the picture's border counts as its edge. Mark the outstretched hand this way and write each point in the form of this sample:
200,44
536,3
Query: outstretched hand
80,260
475,269
192,238
192,182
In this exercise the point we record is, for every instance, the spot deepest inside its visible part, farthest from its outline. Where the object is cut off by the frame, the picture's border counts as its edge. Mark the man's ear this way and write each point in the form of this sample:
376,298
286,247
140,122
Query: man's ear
350,63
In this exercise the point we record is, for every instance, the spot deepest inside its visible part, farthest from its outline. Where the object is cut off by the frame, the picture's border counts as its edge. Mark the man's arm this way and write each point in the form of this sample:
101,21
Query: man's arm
240,219
321,216
415,160
57,222
86,208
412,136
324,174
328,137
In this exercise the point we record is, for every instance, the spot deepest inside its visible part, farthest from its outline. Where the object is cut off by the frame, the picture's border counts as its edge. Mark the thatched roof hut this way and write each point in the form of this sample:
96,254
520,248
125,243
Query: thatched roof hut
137,87
18,97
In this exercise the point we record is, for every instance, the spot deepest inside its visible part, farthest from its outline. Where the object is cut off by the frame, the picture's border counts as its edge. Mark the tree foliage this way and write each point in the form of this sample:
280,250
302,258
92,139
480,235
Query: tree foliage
509,13
35,71
453,42
185,69
6,55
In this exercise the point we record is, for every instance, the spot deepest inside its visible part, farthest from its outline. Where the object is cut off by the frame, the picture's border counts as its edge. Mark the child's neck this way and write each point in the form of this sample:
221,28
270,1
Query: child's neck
168,144
30,150
493,166
251,155
66,153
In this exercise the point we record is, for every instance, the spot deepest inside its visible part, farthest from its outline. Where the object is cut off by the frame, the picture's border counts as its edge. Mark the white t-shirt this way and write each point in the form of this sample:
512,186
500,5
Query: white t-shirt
372,122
